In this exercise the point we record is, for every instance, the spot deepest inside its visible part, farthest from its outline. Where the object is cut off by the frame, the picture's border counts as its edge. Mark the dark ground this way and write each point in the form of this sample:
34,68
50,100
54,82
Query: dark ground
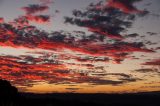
10,97
139,99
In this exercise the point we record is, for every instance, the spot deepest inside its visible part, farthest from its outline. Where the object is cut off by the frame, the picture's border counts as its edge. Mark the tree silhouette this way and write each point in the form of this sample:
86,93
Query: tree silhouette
7,90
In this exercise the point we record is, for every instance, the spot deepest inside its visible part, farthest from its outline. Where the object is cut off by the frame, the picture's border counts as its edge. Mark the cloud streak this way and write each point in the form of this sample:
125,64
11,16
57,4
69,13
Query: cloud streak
126,6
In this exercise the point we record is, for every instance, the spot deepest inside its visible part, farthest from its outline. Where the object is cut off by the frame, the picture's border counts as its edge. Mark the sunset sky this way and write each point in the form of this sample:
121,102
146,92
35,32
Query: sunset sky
84,46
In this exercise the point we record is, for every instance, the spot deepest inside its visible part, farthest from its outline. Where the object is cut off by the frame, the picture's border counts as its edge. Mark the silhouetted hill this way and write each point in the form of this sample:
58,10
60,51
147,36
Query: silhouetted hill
8,93
7,90
10,97
130,99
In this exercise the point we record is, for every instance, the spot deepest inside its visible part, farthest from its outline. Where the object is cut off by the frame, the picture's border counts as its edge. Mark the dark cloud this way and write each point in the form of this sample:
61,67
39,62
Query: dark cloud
153,62
35,8
120,76
152,33
157,48
106,82
92,59
103,25
104,20
132,35
150,43
147,70
115,74
33,13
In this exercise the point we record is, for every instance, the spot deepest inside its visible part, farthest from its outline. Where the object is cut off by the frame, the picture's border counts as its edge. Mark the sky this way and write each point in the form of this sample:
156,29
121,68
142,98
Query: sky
80,46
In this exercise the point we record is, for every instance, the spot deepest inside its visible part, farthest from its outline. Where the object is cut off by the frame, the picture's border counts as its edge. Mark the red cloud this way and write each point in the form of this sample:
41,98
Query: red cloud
11,69
21,71
124,5
21,34
1,20
11,63
20,22
38,18
10,37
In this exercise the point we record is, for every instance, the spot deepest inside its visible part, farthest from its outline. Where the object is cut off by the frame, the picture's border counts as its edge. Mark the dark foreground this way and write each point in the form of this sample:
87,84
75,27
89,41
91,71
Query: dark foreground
139,99
10,97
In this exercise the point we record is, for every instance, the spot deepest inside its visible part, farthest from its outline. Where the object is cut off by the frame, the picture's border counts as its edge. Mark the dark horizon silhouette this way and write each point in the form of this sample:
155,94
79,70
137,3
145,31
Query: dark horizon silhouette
11,97
7,90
